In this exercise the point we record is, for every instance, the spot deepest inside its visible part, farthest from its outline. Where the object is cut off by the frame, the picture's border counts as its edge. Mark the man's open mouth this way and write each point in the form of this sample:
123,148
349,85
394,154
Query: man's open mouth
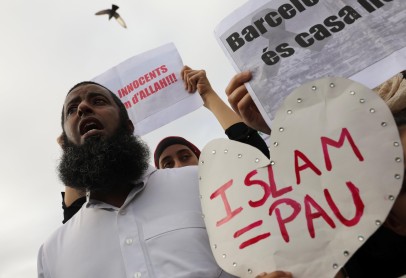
89,125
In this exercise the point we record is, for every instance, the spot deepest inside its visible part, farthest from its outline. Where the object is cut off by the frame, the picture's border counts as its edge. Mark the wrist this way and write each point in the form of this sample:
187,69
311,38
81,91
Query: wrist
210,98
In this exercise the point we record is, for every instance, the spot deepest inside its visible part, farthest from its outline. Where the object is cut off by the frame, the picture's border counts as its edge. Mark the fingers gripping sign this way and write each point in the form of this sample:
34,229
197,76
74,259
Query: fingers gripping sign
195,80
242,103
236,89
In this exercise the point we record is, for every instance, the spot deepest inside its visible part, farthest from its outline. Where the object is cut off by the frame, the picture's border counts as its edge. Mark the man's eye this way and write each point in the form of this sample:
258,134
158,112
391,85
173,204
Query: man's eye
71,110
99,101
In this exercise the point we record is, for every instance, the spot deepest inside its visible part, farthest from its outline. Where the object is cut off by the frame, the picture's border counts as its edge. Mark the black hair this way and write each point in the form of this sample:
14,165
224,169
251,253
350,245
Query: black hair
122,110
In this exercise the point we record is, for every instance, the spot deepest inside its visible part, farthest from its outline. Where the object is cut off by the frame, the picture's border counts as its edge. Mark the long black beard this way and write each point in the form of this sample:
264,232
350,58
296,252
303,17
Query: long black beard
104,165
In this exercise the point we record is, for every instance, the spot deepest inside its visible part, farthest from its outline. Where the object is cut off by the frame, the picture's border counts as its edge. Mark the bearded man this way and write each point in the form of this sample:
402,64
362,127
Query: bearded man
137,221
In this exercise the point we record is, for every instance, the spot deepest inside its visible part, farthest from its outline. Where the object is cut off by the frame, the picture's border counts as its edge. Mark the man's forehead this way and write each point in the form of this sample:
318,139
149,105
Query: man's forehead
83,90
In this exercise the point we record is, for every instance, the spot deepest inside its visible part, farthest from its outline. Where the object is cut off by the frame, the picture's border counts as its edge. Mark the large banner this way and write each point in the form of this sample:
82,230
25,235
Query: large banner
151,88
286,43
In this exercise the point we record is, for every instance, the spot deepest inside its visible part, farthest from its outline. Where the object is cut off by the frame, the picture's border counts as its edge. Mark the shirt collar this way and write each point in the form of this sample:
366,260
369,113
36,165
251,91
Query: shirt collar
139,185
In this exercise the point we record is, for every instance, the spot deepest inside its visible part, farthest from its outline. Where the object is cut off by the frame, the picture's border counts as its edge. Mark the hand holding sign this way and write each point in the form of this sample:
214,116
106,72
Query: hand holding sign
336,168
242,103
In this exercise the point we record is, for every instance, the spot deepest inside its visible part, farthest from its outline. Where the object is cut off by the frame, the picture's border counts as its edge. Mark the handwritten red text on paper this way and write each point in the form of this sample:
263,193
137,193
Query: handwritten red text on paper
142,87
277,198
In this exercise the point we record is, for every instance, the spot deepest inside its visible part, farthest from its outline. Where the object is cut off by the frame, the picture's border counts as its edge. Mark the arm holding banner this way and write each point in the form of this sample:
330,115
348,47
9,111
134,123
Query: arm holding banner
243,104
232,124
197,80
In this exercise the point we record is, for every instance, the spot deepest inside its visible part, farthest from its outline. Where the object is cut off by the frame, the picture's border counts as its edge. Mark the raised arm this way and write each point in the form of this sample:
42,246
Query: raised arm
197,80
234,127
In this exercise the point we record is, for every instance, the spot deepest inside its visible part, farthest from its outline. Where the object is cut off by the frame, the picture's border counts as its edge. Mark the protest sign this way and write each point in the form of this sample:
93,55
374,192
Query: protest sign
336,168
286,43
151,88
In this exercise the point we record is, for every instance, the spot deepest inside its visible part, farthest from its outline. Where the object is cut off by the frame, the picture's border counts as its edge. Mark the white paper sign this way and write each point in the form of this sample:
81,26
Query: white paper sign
151,88
286,43
336,168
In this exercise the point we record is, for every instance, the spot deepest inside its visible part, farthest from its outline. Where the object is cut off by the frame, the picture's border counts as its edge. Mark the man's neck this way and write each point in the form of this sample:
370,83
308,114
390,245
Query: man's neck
114,198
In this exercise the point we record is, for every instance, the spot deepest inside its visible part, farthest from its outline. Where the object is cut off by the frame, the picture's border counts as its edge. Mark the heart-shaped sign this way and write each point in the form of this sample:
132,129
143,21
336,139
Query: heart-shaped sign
336,168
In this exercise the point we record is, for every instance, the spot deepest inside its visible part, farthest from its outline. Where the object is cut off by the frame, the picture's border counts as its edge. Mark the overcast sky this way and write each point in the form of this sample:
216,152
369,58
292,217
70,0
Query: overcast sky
47,47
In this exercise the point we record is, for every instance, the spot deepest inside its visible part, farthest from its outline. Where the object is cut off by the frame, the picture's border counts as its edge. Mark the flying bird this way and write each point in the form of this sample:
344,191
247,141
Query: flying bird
112,12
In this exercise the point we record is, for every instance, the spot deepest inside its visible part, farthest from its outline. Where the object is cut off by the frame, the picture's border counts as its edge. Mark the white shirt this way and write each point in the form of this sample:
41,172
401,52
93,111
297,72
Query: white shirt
158,232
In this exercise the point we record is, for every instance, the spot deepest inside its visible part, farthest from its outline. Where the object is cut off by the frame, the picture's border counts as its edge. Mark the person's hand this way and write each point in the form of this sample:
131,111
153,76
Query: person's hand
242,103
275,274
196,80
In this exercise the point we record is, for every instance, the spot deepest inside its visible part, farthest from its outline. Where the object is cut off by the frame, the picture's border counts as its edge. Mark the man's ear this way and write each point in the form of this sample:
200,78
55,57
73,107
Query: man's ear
130,126
60,140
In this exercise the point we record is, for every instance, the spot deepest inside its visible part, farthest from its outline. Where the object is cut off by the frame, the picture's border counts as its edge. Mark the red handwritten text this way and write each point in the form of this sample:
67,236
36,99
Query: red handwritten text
312,210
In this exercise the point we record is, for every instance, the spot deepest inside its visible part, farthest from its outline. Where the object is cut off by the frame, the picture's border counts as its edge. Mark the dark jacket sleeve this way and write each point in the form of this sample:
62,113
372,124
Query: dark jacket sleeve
244,134
70,211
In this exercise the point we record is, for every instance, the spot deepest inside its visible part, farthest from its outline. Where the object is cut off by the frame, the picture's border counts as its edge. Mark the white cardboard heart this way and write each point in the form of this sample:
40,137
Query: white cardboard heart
346,188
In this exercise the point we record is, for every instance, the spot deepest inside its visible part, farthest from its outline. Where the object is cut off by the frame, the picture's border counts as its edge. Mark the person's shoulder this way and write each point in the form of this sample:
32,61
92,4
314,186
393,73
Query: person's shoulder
170,174
53,240
72,225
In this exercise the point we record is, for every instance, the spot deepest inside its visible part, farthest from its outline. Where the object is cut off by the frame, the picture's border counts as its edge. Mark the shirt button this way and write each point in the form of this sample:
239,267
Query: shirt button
123,212
137,275
129,241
